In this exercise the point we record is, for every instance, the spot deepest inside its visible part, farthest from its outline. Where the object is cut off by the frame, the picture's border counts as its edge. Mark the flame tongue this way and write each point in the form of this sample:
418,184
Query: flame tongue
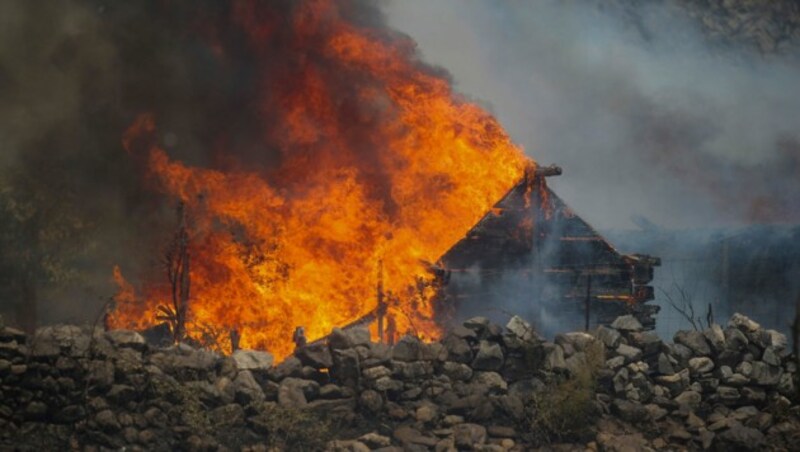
381,163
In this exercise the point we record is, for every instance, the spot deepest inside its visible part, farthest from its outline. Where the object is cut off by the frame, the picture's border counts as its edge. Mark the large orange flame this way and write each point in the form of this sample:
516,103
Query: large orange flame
301,244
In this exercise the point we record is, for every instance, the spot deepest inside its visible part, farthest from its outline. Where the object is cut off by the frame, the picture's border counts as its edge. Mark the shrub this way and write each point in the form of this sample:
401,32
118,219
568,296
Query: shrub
293,429
566,408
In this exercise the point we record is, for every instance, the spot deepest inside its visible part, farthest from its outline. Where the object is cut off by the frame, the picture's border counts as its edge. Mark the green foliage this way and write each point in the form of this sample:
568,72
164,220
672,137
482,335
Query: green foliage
566,408
292,429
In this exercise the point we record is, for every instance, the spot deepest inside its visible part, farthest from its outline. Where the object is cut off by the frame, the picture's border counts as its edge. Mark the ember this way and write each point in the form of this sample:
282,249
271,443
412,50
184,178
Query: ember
382,166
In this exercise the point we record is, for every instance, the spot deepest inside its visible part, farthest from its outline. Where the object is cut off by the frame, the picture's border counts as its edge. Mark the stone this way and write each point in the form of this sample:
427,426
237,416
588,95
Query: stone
408,348
246,389
631,354
373,373
434,351
375,440
554,357
694,340
765,375
126,338
107,421
226,415
615,362
121,394
743,323
468,435
739,437
316,355
578,340
690,399
770,357
610,337
522,329
727,394
477,324
457,371
252,360
701,365
735,340
715,337
629,411
458,349
777,340
290,367
501,431
665,365
627,323
655,412
387,384
426,413
408,436
490,382
488,357
371,401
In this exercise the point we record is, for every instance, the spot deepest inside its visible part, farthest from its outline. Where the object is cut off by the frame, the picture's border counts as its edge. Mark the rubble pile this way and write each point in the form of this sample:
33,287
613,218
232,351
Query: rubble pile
722,388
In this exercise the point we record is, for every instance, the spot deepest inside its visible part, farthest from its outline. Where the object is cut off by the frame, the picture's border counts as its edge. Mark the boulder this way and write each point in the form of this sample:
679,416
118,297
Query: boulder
743,323
521,329
631,354
765,375
408,348
627,323
739,437
695,341
457,371
488,357
126,338
610,337
629,411
371,401
253,360
316,355
458,349
701,365
467,436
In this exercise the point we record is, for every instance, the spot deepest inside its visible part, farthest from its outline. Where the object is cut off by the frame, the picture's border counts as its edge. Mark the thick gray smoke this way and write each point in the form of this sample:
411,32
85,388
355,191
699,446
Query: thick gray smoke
647,117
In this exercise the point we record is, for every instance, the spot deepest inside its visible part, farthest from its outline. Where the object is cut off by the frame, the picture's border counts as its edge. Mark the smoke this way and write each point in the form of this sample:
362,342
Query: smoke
647,116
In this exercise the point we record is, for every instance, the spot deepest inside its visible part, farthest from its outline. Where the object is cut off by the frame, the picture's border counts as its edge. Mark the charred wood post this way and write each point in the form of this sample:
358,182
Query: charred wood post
381,310
235,338
588,301
299,337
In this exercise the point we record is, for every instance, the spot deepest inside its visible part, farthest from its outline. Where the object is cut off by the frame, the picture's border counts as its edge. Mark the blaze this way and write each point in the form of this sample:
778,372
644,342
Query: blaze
383,168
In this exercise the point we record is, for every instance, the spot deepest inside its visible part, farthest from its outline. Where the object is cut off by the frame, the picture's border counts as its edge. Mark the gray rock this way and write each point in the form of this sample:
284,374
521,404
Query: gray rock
316,355
665,364
408,348
610,337
246,389
770,357
252,360
346,446
387,384
226,416
121,394
373,373
690,399
375,440
458,349
739,437
477,324
467,436
631,354
554,357
290,367
615,362
701,365
126,338
457,371
735,340
409,437
491,381
743,323
695,341
728,395
578,340
521,329
627,323
715,337
629,411
107,421
291,393
371,401
777,340
488,357
766,375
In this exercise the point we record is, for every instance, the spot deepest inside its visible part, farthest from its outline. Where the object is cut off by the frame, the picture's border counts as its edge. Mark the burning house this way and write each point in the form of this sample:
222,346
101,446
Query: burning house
558,263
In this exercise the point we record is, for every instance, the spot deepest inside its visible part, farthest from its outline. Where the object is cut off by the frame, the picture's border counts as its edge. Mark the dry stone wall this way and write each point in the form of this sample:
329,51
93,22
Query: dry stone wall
476,389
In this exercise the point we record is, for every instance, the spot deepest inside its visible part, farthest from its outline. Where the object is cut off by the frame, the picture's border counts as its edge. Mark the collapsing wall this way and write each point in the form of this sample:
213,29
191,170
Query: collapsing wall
532,254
